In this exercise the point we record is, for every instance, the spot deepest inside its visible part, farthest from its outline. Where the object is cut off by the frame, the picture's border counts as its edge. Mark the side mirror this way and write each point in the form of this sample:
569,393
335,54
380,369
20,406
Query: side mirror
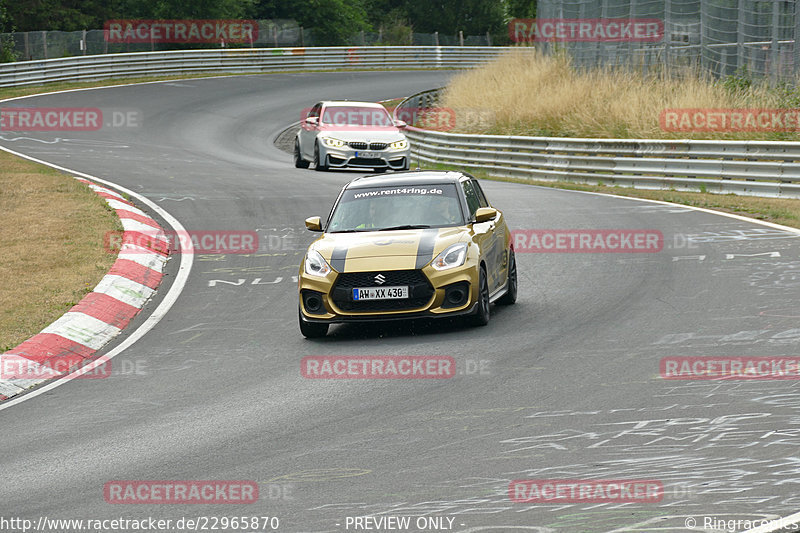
400,124
485,214
314,224
312,121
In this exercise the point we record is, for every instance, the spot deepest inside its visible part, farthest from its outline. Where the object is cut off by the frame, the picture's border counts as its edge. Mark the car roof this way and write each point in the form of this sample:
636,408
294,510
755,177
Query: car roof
411,177
330,103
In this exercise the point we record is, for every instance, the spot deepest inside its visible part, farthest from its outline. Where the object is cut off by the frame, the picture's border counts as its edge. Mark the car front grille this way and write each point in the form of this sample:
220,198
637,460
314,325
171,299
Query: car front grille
358,145
420,291
363,161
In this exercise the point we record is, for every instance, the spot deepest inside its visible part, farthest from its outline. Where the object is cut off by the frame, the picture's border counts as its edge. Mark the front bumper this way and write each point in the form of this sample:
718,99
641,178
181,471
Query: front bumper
352,158
435,302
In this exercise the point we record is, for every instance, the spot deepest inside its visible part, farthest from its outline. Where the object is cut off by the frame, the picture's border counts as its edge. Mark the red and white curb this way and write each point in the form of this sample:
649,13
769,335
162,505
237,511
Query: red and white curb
102,314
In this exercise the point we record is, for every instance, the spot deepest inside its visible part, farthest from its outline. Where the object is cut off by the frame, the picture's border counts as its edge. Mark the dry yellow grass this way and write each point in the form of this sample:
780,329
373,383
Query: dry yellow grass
52,246
533,94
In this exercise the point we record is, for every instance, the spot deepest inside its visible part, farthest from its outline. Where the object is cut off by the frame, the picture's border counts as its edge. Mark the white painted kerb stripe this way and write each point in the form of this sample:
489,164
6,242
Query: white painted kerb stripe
83,329
143,256
9,389
97,188
19,371
116,204
130,224
124,290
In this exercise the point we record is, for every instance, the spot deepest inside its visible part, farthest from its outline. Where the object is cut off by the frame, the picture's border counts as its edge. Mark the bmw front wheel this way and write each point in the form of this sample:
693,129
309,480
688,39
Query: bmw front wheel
299,162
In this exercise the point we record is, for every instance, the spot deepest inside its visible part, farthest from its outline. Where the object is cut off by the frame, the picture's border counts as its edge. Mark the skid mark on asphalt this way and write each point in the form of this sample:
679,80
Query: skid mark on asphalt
321,474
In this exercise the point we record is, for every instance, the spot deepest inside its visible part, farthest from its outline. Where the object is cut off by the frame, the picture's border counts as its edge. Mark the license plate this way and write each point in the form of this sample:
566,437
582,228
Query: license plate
380,293
368,155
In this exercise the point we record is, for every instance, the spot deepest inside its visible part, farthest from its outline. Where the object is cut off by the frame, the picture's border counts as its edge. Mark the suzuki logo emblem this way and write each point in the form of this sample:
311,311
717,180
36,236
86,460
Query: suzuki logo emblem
379,279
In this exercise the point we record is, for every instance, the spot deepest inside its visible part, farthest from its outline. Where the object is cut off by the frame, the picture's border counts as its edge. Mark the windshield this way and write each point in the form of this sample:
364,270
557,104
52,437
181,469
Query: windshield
357,116
384,208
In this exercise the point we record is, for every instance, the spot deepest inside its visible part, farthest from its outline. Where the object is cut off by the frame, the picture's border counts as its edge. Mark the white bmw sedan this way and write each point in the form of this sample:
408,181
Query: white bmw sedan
339,134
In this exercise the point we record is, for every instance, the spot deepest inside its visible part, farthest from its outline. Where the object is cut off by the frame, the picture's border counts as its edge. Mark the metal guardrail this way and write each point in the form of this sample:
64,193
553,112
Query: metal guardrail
755,168
241,60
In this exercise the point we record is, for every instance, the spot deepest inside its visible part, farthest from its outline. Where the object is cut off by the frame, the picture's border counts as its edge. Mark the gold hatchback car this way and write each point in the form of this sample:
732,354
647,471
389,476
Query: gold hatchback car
411,245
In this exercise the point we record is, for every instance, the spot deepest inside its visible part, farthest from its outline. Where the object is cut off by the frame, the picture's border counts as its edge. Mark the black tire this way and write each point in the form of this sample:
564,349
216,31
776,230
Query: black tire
511,295
482,312
299,162
311,330
317,165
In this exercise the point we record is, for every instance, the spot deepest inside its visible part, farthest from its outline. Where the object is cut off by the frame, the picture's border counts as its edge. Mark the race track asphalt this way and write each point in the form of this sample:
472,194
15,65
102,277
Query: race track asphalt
563,385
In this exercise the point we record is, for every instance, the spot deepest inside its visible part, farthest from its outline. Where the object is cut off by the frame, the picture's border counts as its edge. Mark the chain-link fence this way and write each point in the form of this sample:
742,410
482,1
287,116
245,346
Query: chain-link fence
33,45
418,39
27,46
725,37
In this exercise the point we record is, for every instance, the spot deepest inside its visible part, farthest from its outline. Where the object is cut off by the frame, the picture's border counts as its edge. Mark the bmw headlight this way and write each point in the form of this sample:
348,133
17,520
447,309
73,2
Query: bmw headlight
451,257
330,142
315,264
399,145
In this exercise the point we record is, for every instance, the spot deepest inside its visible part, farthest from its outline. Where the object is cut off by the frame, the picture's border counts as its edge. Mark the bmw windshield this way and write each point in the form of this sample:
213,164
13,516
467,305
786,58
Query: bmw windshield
357,116
403,207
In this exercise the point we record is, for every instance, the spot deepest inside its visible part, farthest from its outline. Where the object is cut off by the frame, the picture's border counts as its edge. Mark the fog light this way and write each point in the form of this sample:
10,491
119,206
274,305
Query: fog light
312,301
456,295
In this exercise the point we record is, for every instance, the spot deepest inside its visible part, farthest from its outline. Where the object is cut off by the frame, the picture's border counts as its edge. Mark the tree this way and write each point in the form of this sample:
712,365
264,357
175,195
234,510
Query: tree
64,15
473,17
5,19
202,9
333,21
521,9
74,15
7,53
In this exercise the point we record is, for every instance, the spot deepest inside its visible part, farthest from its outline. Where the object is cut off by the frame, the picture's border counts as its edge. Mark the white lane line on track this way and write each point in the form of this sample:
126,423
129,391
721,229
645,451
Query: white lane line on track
787,523
187,258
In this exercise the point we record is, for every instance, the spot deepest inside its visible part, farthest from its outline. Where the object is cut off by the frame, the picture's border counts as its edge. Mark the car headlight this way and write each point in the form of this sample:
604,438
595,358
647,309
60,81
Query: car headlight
399,145
330,142
315,264
451,257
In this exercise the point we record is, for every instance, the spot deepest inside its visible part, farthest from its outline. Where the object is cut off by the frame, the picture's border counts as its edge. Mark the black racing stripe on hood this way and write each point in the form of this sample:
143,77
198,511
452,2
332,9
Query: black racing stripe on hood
427,242
338,256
